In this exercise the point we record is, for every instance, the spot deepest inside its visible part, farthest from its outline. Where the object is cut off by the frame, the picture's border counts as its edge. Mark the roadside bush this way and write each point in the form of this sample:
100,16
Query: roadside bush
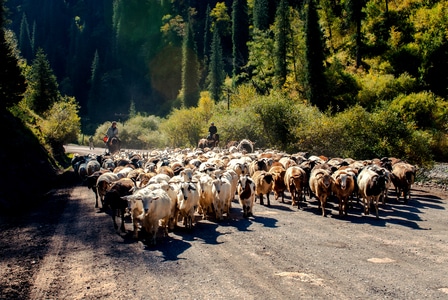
376,88
424,108
142,132
183,128
61,123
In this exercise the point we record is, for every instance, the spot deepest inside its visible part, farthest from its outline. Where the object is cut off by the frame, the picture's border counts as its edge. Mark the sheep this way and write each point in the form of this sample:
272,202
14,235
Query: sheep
370,187
92,166
157,206
207,195
342,187
187,174
165,170
222,189
246,195
135,207
278,185
113,200
103,183
143,178
295,180
108,163
260,164
382,171
246,145
287,162
91,183
320,185
239,166
188,203
135,204
232,177
263,185
403,176
228,193
123,172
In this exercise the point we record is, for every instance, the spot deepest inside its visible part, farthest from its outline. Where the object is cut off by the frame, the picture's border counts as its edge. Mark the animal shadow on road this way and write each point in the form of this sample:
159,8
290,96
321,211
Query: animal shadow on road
396,212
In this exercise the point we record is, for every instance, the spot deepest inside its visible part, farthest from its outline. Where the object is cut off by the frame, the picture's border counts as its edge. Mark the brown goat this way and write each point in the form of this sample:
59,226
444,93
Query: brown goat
403,176
342,187
263,185
278,186
320,185
295,181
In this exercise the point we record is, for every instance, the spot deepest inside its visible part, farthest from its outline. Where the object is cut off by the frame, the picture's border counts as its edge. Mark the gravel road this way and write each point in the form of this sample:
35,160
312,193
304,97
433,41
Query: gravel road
67,249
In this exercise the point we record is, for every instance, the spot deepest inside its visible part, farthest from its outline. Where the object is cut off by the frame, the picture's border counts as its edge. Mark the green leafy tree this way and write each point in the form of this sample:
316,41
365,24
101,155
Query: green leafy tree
216,73
61,123
43,87
221,19
12,84
240,37
190,70
431,27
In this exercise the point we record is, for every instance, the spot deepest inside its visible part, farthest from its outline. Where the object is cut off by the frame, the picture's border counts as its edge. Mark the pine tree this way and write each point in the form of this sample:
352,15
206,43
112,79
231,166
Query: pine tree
240,36
207,31
355,14
44,89
190,69
94,101
261,14
281,40
315,59
25,42
216,73
12,83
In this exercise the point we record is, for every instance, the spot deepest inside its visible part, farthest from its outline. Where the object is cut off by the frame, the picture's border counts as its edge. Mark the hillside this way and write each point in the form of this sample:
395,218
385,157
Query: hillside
29,170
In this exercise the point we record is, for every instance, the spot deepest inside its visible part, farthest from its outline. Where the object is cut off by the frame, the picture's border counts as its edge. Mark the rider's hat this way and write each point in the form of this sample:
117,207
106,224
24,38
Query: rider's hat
213,123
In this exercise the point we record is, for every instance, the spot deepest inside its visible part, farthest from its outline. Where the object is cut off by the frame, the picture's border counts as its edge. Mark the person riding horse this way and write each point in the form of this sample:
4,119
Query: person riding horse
112,141
213,137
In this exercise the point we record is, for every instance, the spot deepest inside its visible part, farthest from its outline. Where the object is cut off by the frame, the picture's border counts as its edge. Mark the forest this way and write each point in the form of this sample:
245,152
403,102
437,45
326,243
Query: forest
370,74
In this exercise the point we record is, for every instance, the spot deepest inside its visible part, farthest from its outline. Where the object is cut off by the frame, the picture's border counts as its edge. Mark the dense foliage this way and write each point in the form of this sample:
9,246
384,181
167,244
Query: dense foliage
339,78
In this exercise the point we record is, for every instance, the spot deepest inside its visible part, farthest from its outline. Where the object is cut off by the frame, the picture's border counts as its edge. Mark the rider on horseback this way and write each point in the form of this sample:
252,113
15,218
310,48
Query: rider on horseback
112,132
213,136
212,130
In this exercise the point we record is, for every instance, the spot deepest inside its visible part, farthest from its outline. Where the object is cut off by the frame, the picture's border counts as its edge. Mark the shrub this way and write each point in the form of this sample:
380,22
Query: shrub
61,123
424,108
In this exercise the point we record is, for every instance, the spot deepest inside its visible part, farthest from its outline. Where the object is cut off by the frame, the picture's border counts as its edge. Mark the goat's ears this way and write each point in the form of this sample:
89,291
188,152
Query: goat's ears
191,187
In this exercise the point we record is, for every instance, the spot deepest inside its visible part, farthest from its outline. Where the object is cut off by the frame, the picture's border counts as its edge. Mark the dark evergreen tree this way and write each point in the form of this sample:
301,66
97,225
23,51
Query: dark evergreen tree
216,73
25,39
315,78
261,14
190,69
240,37
12,83
94,103
44,90
355,15
207,33
281,42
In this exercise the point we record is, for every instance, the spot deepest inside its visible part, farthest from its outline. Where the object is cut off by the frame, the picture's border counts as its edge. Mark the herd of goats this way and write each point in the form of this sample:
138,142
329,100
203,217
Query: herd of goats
163,187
